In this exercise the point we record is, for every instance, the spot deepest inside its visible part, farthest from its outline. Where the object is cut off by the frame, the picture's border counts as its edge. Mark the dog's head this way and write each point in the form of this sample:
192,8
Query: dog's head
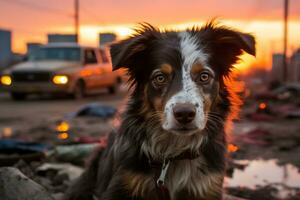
178,75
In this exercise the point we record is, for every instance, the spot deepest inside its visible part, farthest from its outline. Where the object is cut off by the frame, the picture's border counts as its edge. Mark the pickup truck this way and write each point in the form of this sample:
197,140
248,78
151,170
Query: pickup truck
62,68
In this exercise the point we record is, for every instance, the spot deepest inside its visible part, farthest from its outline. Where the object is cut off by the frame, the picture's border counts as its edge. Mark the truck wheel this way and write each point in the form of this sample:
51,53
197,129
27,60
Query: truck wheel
18,96
115,87
79,90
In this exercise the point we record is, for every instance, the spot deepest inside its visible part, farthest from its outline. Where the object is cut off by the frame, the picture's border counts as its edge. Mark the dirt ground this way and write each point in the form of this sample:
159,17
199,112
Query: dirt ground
263,164
38,118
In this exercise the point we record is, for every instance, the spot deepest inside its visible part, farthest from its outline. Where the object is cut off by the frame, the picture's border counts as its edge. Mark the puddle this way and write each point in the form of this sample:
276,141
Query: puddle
285,178
62,130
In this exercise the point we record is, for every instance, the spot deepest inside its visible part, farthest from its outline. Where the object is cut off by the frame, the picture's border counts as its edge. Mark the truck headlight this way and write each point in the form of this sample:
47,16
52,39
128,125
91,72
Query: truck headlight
60,79
6,80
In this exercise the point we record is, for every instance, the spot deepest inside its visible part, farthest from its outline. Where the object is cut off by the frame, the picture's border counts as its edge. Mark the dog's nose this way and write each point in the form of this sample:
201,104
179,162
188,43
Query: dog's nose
184,113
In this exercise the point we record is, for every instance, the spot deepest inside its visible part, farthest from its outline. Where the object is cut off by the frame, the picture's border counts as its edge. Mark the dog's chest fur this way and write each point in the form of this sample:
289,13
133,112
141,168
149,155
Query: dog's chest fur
183,176
192,176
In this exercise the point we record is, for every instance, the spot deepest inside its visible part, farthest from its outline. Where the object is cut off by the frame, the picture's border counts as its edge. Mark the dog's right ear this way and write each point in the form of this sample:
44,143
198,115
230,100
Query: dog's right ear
123,52
126,52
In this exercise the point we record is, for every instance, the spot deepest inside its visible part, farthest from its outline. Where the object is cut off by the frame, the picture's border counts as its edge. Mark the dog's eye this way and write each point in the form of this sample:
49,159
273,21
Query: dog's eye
160,78
204,77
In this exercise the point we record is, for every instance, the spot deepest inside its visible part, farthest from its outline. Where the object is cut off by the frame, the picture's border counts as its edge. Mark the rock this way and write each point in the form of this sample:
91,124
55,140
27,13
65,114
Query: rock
229,197
71,171
16,186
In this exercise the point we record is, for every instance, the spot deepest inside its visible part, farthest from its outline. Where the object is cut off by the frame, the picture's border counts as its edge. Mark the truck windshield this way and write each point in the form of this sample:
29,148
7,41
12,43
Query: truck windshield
53,53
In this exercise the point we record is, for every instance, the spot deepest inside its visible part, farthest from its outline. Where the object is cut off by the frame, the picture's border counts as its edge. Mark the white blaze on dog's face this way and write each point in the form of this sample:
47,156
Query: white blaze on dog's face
178,76
190,99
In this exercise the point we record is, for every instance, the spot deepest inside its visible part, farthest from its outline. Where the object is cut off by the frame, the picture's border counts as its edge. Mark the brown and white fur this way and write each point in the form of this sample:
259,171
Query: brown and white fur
177,113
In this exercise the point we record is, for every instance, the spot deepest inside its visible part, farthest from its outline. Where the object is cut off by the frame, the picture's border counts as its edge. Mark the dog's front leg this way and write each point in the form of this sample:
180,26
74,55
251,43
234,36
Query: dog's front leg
116,190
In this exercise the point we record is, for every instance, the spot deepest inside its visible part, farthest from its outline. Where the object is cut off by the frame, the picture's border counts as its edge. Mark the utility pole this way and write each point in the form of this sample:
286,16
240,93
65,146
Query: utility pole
76,19
285,36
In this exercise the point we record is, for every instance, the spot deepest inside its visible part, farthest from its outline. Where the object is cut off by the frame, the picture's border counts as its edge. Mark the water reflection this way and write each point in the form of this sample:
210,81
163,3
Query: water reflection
62,130
266,172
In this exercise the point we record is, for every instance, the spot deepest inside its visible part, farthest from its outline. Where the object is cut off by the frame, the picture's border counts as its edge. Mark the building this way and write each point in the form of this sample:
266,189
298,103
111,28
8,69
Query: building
295,66
54,38
32,47
5,48
277,71
106,38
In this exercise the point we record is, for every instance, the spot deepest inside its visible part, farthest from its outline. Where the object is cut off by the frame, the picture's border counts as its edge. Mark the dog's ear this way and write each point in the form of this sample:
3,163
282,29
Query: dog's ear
126,52
123,52
228,45
235,41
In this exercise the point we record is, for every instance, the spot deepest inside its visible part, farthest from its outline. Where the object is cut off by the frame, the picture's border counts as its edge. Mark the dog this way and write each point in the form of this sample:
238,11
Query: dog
171,144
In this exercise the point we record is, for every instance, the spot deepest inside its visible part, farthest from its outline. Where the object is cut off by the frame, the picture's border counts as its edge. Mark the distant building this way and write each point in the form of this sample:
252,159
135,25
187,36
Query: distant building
5,48
54,38
32,47
106,38
295,66
277,68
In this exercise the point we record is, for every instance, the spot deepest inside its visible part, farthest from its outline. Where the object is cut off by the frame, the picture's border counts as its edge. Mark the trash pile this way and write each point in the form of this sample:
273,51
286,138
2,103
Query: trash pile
45,169
265,139
265,147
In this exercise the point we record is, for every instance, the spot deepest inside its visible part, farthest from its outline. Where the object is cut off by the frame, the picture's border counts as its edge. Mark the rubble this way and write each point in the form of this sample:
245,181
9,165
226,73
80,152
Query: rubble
61,169
94,110
16,186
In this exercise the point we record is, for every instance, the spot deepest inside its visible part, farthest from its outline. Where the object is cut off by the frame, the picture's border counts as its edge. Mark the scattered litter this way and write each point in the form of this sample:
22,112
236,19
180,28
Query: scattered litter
259,117
19,187
257,136
11,151
293,114
89,140
73,153
232,148
11,145
94,110
288,92
71,171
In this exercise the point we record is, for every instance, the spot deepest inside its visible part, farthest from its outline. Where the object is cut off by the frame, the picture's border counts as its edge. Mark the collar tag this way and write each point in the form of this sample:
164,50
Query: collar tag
161,180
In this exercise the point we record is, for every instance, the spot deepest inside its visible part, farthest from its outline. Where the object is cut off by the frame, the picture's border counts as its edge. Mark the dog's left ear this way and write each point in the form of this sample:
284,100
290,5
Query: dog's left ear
235,41
228,44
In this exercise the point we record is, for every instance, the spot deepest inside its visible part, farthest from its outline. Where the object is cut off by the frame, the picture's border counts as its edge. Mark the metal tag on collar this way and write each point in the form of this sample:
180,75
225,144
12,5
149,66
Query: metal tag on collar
161,180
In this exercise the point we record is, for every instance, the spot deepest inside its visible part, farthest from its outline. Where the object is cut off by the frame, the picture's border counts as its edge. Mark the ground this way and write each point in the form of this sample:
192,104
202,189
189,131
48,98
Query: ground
263,164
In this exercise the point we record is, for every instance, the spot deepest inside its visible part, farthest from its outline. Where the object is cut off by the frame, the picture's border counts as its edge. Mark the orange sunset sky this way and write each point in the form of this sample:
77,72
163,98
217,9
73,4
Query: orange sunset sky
31,20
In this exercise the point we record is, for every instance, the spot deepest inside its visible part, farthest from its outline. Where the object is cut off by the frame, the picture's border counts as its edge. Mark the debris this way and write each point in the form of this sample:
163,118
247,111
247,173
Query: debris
288,92
229,197
17,145
232,148
16,186
293,114
11,151
94,110
71,171
257,136
73,153
258,117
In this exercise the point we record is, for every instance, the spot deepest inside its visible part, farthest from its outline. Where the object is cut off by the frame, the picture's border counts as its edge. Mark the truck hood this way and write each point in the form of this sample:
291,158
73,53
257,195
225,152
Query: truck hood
44,66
